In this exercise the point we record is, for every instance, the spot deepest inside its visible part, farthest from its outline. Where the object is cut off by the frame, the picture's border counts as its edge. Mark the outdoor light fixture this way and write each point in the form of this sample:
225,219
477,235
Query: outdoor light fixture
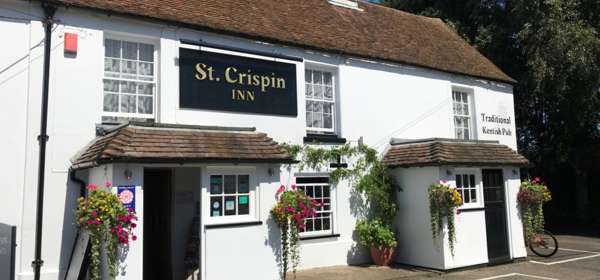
128,174
270,171
448,172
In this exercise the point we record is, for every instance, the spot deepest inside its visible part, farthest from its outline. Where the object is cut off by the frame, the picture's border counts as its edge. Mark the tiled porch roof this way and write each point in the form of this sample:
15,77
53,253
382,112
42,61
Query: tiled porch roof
161,143
436,152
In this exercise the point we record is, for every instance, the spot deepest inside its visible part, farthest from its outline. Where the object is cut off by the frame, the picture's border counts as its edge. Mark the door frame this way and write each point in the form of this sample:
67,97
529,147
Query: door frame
506,212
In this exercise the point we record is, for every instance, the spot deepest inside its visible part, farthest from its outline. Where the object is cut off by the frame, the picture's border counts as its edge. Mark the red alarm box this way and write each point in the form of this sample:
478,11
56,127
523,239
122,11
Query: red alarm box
71,43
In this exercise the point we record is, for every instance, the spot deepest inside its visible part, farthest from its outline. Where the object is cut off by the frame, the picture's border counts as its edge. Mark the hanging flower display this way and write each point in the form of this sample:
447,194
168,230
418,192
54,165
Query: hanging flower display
531,198
106,219
292,207
443,201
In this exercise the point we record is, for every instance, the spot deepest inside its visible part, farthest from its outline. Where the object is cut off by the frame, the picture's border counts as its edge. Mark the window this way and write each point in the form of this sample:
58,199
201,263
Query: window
319,189
129,79
467,187
462,114
229,195
320,101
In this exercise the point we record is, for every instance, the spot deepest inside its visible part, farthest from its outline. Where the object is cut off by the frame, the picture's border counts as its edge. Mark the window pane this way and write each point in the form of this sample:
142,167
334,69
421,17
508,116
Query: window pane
145,89
146,69
112,48
327,121
129,67
327,79
318,93
318,192
230,184
326,223
329,93
317,78
458,181
318,225
145,105
473,195
216,183
243,184
309,119
326,191
146,52
309,90
130,50
111,102
309,225
216,206
244,204
317,120
111,85
310,192
128,103
230,207
317,107
112,65
465,109
308,76
128,87
472,181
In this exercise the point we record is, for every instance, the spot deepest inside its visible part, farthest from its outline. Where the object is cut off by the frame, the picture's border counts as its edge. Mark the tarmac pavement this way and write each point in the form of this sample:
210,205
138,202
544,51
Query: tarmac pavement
578,258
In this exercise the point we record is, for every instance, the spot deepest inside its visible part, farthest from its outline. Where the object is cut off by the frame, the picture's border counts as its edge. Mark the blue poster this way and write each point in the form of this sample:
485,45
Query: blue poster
127,196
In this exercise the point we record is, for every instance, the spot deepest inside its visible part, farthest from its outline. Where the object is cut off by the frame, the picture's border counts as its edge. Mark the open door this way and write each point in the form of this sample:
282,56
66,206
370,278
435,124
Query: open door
157,224
495,216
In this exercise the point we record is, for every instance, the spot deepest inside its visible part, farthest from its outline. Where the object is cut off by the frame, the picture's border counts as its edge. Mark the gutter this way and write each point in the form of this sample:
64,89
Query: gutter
48,22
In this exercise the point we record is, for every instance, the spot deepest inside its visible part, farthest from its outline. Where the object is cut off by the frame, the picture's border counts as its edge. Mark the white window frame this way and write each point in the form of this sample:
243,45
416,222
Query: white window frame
334,110
478,186
156,62
332,207
253,199
469,115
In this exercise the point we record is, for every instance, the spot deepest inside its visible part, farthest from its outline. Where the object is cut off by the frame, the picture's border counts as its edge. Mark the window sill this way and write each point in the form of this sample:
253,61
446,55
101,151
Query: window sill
231,225
470,209
323,139
319,237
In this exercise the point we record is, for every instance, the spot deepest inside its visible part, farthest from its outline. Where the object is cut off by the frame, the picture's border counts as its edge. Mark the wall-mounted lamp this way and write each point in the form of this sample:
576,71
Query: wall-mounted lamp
515,172
128,174
270,171
448,172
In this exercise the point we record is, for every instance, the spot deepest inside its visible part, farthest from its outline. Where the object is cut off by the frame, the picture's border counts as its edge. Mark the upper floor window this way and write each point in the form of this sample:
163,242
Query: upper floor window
129,79
462,114
320,101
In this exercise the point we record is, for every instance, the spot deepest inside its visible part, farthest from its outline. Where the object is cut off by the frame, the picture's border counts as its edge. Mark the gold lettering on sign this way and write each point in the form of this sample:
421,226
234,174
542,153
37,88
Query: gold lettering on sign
201,74
233,76
228,77
244,95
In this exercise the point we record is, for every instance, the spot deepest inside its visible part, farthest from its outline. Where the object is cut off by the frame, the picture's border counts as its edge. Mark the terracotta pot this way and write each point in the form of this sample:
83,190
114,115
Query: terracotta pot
382,256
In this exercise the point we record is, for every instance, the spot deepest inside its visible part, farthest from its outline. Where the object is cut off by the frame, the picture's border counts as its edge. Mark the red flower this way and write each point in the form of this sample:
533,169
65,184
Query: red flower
92,187
108,184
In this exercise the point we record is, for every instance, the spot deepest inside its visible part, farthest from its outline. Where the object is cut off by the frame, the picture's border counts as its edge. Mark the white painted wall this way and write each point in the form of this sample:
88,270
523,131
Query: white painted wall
376,100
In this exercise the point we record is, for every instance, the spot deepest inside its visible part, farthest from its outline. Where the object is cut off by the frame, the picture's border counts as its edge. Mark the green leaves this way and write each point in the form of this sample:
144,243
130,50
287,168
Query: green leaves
375,233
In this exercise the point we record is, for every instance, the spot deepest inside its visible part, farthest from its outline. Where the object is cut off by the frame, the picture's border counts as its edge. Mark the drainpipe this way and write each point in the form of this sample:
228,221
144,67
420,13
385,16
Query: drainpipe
37,263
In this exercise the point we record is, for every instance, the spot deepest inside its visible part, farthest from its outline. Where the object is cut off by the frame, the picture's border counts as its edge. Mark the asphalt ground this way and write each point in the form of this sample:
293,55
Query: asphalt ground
578,258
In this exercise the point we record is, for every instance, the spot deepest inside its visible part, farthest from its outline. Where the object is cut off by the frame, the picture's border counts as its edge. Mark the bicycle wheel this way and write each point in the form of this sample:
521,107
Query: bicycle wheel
544,244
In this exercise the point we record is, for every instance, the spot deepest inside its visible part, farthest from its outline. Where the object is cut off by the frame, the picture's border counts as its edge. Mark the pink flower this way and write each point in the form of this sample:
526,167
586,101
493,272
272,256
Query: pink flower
94,213
89,222
134,238
537,180
293,187
108,184
281,189
92,187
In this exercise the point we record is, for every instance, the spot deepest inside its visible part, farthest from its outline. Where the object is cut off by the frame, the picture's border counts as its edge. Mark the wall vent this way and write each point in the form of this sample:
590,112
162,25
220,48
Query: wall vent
353,4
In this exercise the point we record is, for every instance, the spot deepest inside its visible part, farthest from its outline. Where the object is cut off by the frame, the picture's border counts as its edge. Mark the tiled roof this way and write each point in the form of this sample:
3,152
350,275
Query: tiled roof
374,31
141,143
436,152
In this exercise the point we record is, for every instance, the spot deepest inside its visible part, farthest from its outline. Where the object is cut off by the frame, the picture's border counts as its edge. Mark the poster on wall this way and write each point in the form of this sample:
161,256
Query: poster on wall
127,196
224,82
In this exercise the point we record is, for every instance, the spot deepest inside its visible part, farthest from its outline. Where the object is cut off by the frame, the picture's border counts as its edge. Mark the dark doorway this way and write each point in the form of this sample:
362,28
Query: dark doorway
495,216
157,224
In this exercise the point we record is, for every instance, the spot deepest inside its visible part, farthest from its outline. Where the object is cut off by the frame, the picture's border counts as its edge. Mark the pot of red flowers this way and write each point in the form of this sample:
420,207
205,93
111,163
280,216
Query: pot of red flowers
292,207
109,224
379,238
531,198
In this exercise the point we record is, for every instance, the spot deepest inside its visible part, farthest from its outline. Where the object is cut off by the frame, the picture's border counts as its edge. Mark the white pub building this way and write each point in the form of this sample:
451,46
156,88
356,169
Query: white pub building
185,103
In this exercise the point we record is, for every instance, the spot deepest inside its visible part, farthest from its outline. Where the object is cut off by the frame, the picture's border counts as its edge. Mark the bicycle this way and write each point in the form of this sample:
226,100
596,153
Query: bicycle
543,244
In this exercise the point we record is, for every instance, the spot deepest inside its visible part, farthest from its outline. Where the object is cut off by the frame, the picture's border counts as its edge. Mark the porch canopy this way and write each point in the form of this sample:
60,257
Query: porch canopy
165,143
440,151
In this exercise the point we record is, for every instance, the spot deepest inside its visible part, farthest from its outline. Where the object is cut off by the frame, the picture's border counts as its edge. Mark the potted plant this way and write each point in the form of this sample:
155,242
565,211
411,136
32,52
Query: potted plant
379,238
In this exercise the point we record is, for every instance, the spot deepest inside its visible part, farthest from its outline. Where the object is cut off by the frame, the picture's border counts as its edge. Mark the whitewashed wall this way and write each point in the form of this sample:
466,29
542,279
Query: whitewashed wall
377,101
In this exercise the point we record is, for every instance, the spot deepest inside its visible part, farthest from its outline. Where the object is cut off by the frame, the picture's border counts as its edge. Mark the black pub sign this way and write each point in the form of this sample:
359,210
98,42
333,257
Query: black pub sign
216,81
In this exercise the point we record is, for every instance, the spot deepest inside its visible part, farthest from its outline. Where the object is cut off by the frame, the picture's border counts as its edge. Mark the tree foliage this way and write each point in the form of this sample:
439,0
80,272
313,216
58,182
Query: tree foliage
552,48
